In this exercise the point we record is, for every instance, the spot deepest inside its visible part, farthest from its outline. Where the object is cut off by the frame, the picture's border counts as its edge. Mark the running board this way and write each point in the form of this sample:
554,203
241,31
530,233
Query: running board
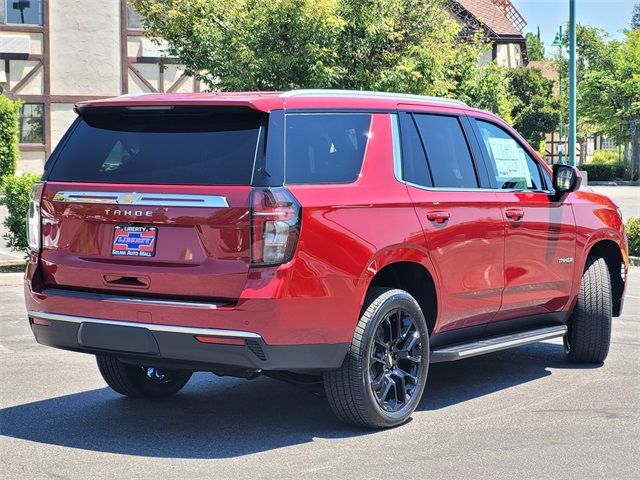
459,351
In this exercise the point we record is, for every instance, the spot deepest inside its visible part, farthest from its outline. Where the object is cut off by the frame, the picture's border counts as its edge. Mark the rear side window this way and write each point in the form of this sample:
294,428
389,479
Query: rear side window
511,166
182,146
414,160
448,153
325,148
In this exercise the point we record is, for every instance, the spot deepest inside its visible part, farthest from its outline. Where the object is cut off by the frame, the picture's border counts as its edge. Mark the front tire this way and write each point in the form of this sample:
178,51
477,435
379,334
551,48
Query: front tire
589,334
140,382
384,373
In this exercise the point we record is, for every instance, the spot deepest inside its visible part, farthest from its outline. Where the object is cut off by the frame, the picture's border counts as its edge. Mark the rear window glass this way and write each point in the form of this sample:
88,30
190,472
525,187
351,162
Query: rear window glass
193,146
325,148
447,152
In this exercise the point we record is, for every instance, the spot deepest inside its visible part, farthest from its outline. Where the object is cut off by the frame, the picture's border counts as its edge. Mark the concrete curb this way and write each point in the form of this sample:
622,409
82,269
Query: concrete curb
612,183
9,266
634,261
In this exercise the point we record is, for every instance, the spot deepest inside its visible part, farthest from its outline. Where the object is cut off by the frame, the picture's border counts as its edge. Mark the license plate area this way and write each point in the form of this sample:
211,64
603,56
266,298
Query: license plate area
134,241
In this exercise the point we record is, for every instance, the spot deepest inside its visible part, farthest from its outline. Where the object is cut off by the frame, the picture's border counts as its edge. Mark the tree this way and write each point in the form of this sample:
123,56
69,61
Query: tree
536,110
594,54
9,151
408,46
612,94
608,88
635,17
535,47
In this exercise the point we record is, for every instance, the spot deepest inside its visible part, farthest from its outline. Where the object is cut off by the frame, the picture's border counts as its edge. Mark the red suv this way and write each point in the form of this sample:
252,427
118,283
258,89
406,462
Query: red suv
349,238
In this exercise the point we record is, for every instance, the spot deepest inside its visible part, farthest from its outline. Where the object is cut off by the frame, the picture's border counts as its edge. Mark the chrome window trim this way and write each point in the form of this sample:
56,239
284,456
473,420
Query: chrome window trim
154,327
145,199
477,189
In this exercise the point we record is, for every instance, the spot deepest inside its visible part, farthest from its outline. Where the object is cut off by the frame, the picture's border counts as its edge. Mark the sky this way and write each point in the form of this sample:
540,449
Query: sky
609,15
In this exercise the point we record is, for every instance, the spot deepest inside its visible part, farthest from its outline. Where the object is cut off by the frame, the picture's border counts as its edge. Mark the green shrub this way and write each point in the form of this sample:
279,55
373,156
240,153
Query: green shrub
9,151
633,236
604,171
16,198
605,157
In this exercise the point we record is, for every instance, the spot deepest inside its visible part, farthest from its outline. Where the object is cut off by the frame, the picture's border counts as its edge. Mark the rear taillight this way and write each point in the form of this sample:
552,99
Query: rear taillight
33,217
275,225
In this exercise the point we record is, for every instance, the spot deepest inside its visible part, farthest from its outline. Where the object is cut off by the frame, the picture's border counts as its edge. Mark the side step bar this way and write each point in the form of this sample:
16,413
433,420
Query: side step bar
459,351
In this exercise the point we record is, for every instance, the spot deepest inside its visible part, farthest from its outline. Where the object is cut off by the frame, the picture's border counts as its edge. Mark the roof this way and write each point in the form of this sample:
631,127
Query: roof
267,101
546,67
490,15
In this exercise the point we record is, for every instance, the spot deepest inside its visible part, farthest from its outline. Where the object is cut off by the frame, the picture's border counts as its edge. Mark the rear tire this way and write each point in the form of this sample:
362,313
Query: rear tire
384,373
140,382
589,334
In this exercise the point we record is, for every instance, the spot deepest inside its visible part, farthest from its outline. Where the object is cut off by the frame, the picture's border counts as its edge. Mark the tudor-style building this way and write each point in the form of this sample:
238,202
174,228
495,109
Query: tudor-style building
54,53
502,25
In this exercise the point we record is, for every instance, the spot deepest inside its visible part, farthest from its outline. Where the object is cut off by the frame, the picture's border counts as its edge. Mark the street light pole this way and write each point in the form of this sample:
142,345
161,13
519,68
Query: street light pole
558,42
572,82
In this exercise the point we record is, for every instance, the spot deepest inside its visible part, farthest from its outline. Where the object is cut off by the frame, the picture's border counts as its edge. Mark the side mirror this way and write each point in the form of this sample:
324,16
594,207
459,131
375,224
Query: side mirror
565,179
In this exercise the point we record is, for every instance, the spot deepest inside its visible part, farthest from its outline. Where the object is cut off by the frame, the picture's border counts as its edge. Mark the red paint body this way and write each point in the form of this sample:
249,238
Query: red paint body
486,267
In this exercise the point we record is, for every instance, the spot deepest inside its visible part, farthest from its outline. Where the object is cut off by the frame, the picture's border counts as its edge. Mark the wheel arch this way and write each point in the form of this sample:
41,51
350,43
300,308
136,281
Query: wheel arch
611,251
408,269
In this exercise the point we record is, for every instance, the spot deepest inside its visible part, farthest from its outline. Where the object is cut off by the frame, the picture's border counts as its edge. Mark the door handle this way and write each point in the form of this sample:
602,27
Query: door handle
438,217
514,214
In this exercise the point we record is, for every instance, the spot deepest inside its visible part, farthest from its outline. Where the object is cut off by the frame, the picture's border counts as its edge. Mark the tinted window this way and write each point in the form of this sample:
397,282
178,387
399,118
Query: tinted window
447,152
325,148
414,160
511,166
194,146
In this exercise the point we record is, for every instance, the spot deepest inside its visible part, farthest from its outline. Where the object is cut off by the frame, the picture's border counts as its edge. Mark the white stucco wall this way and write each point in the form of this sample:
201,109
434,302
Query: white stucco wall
85,47
62,116
509,55
30,162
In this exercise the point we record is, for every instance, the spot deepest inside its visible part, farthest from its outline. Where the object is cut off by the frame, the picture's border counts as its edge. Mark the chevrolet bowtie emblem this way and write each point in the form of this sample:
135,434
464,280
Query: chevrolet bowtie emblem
129,198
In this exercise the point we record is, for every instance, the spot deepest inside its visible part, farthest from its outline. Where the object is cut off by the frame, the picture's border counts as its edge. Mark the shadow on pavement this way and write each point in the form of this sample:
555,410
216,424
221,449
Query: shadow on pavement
222,417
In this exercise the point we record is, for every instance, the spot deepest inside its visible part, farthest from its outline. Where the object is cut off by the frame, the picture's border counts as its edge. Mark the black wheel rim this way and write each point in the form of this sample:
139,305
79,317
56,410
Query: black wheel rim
395,360
156,375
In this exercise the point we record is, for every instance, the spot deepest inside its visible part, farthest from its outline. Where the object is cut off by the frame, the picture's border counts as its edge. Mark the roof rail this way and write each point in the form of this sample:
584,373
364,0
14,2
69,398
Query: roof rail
364,93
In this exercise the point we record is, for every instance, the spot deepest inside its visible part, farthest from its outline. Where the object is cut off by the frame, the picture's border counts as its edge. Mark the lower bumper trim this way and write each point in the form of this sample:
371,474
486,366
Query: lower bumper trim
176,347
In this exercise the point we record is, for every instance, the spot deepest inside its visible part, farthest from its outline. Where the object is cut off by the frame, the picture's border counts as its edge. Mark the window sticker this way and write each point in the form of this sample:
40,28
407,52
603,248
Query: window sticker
510,160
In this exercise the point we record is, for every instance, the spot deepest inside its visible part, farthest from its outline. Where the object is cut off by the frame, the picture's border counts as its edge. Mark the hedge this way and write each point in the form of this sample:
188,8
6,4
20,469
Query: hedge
9,152
604,171
16,198
605,157
633,236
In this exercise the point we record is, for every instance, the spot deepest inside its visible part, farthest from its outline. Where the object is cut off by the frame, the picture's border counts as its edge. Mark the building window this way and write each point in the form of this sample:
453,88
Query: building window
27,12
134,20
32,123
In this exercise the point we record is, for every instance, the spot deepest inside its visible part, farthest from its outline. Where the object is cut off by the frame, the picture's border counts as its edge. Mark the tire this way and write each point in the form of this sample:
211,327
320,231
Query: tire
356,391
589,334
140,382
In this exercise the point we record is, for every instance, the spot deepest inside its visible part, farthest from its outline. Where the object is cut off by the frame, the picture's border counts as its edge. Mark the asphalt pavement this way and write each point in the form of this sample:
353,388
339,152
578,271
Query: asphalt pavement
518,414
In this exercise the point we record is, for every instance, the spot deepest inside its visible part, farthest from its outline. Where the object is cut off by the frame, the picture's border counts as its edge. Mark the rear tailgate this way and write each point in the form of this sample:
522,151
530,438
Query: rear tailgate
152,201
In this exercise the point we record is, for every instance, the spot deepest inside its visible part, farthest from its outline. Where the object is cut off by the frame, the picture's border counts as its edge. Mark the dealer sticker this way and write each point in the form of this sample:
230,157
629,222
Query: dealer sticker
133,241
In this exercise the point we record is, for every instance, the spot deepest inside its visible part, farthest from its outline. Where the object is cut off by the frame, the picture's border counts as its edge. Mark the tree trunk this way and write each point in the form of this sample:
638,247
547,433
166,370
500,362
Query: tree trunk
583,141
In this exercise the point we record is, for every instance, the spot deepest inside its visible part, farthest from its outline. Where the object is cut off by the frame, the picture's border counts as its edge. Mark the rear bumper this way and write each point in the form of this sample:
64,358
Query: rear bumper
171,346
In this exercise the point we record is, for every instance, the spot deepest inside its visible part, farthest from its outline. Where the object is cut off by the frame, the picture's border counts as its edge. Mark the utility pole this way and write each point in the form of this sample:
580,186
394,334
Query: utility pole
557,42
572,82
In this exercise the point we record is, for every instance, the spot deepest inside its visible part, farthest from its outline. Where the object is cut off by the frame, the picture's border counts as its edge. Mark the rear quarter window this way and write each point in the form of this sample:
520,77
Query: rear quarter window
192,146
325,148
